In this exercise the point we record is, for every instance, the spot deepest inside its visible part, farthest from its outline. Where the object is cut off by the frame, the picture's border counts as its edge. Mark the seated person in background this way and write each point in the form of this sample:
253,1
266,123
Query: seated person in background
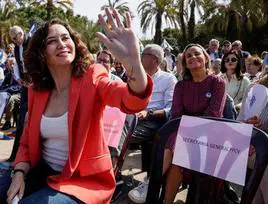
155,114
10,84
236,82
170,57
164,66
198,94
226,46
259,121
213,50
13,87
243,55
254,68
120,71
179,69
217,67
106,58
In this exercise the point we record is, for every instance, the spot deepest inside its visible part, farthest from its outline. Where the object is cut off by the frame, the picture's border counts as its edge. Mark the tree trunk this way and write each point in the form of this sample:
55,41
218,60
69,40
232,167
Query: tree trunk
158,32
49,8
265,9
182,22
191,22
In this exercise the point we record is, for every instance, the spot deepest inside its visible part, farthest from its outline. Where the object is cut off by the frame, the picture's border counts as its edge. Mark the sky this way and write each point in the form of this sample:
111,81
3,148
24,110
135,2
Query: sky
91,9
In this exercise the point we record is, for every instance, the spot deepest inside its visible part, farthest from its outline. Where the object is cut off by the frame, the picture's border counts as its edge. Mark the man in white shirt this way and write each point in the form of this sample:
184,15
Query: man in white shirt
156,113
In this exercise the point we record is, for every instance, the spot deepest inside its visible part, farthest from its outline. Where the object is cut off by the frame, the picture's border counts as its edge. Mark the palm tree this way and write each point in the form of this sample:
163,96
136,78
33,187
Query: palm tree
87,29
237,18
121,7
153,11
50,4
193,5
7,19
181,5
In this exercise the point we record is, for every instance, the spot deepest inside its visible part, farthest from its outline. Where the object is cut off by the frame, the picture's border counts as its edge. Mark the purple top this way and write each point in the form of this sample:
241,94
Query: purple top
205,98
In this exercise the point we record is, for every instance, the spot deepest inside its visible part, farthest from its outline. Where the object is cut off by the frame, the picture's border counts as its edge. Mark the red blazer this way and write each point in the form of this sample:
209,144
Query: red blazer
88,173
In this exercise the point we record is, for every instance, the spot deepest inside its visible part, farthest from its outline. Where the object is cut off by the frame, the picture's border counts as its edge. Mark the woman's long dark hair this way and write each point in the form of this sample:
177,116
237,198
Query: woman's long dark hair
35,62
238,72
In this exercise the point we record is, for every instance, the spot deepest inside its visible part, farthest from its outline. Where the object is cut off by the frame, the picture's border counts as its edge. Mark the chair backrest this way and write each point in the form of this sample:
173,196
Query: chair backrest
129,126
259,140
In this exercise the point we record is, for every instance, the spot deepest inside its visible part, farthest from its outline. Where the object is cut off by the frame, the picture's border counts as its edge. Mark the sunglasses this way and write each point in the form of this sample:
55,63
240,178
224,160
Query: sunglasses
233,59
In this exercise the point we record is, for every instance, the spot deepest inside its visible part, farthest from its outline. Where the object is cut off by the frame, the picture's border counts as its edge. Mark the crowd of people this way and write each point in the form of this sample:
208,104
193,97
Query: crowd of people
60,154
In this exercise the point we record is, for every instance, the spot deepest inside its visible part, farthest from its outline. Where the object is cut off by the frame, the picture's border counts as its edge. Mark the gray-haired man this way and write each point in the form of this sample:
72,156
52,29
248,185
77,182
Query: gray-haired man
155,115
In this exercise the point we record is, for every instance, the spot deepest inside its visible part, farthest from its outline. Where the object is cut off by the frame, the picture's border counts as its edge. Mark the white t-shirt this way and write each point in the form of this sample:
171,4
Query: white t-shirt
54,132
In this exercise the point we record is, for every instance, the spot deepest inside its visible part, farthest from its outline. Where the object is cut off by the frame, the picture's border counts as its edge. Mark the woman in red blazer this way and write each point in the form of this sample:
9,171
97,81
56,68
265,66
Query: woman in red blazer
72,91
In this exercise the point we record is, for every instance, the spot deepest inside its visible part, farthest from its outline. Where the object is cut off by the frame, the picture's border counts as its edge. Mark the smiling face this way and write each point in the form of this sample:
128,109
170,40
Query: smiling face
230,62
105,60
60,48
195,58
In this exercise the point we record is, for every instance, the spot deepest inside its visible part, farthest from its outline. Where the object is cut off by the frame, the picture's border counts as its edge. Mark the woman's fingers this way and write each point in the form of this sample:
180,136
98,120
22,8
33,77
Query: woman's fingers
103,24
110,18
12,192
117,18
16,187
129,25
103,39
21,191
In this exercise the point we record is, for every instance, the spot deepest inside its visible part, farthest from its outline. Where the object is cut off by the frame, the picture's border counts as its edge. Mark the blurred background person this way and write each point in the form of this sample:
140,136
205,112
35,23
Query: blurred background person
169,57
254,68
243,55
120,71
21,41
106,58
164,66
217,67
213,50
236,82
226,46
179,68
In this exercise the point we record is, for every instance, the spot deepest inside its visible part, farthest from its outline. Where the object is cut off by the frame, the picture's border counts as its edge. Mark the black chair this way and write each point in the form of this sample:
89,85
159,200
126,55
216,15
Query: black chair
196,195
129,126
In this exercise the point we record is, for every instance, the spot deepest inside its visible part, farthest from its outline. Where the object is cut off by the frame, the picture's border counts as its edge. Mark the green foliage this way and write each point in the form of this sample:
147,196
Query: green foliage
153,12
27,12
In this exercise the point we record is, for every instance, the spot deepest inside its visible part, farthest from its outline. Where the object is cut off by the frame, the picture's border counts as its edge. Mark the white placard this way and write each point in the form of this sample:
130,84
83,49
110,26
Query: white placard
216,148
256,100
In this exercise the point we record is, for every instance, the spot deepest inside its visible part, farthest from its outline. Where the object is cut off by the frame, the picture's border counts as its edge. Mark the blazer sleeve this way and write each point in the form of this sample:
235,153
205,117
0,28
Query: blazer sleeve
118,94
23,151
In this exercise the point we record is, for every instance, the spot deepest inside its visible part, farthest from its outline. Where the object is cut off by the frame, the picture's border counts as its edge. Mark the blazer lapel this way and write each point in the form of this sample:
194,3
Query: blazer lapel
74,153
40,102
